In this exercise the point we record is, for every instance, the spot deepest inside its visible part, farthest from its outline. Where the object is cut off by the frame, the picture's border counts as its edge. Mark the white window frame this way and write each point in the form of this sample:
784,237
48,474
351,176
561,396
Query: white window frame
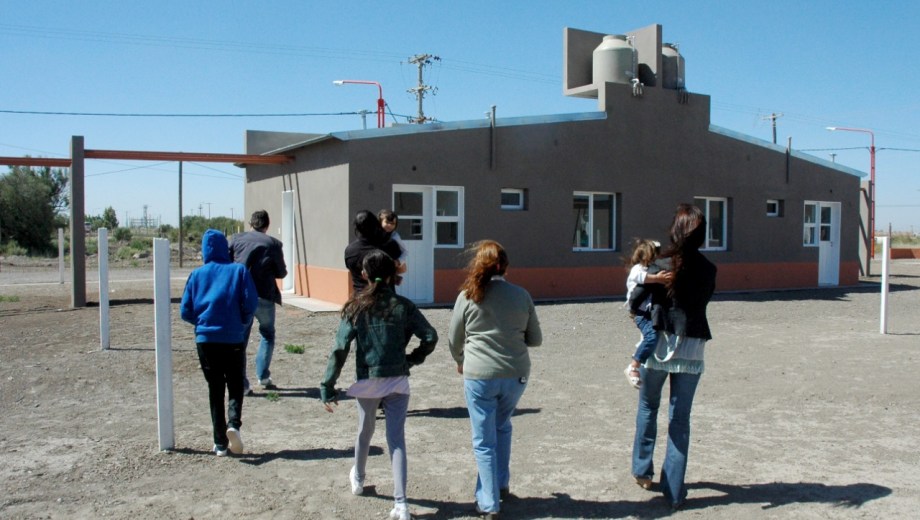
458,218
775,211
514,191
706,212
813,226
590,222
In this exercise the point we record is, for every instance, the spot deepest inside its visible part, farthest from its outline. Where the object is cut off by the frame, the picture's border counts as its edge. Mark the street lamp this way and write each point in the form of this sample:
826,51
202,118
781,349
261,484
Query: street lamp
871,245
380,103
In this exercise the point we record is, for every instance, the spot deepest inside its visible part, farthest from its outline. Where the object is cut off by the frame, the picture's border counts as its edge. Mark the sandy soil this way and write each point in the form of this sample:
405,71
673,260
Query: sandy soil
805,411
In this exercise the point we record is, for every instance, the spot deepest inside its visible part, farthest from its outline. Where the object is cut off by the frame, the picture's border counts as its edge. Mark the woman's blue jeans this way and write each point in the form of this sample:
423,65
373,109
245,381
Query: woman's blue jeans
683,388
491,402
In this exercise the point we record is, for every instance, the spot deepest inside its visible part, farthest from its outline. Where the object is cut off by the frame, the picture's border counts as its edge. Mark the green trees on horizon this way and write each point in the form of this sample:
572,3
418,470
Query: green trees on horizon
32,204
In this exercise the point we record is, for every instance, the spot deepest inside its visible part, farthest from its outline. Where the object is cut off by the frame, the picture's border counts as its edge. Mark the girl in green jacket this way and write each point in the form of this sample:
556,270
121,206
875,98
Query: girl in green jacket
380,323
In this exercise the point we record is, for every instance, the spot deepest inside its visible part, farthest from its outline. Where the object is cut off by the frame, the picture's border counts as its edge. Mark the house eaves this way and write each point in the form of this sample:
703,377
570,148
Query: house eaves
782,149
371,133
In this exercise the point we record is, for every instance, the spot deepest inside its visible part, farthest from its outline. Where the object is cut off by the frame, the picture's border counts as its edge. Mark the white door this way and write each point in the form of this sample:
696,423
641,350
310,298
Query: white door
828,243
413,205
287,238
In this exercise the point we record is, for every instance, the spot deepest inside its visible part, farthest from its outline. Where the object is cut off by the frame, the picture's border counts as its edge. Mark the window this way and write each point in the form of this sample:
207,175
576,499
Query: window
593,214
448,230
817,223
810,225
774,208
512,198
409,206
714,209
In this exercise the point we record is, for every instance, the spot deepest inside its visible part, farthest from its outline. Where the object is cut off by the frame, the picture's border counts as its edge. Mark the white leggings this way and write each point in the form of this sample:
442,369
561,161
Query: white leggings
395,407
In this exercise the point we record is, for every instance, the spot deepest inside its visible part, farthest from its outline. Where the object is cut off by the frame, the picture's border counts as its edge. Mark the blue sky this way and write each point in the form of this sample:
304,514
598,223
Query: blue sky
819,63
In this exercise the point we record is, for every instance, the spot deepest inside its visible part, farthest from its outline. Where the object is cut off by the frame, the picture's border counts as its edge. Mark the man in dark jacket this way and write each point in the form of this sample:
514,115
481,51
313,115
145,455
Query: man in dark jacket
262,255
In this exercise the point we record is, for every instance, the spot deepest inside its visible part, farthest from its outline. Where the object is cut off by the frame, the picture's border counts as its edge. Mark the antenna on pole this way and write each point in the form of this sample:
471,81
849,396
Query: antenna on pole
773,117
421,60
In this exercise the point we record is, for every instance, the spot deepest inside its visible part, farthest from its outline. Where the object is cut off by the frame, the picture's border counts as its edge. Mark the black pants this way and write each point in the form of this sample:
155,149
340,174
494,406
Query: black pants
222,364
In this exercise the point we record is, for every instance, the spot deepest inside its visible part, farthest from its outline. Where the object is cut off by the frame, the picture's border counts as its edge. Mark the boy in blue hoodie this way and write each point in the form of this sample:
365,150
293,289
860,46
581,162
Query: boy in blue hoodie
220,299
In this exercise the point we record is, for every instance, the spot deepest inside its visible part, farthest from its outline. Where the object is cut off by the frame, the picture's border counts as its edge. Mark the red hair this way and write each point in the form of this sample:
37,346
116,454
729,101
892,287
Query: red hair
489,259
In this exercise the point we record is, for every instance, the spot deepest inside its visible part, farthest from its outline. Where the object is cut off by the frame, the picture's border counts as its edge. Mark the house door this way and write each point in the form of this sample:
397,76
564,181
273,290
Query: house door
413,204
828,243
287,238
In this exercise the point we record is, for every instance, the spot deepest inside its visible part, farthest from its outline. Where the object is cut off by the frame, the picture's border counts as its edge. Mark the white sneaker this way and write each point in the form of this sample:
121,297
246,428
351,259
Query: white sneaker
400,512
236,441
220,451
267,383
357,484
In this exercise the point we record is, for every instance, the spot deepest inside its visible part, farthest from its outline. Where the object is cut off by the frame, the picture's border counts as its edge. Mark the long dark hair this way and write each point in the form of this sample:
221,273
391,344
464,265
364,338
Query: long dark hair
489,259
379,269
688,232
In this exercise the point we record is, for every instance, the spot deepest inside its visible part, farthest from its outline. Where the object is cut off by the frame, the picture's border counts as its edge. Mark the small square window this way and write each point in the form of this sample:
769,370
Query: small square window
512,198
774,208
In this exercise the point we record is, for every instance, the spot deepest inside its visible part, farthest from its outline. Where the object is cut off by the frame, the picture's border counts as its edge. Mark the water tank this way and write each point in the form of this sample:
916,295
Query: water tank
672,67
614,61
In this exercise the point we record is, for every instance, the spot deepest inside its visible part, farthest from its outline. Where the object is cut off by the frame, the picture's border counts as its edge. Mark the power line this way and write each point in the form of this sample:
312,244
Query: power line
129,114
193,43
126,169
833,149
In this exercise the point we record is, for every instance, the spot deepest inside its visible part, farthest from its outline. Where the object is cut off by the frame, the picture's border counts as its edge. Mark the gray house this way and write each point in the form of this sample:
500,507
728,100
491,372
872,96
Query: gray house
565,194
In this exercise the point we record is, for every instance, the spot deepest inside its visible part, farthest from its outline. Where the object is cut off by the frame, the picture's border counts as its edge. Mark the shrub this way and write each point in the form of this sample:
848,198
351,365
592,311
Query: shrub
125,252
12,248
294,349
142,243
122,234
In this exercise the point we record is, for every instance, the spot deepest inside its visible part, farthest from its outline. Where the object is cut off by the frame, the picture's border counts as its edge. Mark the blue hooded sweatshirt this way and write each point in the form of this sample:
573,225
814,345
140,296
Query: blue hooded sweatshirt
220,297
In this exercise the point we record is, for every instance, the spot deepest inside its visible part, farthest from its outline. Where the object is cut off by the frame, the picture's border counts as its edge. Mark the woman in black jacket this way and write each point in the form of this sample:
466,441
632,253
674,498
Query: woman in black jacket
678,356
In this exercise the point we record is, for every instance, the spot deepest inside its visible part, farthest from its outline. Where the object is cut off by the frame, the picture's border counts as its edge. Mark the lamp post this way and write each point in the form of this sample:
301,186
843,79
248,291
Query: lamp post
871,241
380,104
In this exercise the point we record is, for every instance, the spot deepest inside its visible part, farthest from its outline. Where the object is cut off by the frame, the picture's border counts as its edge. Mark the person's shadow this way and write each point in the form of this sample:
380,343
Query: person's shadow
778,494
773,495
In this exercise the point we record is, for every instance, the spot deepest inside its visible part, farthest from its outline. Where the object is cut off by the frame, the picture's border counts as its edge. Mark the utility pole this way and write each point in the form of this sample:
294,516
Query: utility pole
773,117
421,60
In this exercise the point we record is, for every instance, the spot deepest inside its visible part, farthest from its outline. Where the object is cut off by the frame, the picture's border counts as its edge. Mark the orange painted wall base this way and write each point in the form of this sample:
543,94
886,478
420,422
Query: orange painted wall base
904,252
334,285
322,283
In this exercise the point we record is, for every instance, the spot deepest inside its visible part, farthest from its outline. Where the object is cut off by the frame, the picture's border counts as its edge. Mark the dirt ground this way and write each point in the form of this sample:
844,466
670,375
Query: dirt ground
805,411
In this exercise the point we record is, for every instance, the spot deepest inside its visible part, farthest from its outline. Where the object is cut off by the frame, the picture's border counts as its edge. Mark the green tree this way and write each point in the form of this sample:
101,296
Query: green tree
94,222
109,218
30,199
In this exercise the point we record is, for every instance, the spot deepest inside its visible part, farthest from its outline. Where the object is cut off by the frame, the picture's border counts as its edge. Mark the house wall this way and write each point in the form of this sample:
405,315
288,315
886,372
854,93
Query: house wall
322,219
653,151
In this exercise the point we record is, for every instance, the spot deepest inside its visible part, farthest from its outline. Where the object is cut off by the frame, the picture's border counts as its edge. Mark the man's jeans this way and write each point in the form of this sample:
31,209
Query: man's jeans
265,314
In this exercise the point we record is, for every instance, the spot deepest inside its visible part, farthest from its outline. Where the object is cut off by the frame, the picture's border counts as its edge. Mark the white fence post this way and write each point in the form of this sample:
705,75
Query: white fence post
61,253
103,255
886,260
161,301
